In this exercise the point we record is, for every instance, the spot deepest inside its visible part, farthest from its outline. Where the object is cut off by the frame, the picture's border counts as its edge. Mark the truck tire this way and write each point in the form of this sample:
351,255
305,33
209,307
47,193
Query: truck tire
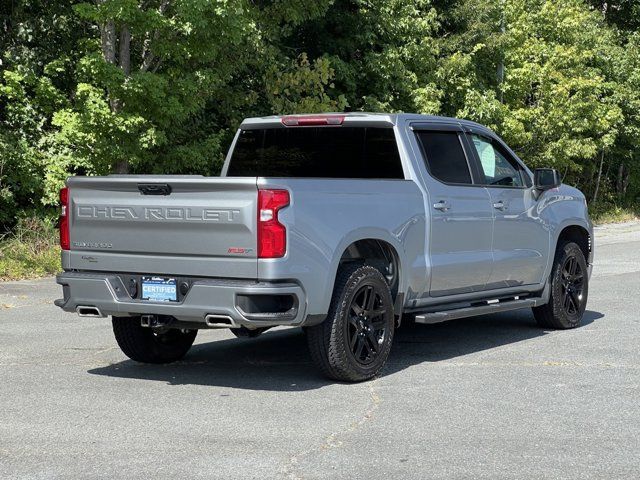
354,341
569,290
144,345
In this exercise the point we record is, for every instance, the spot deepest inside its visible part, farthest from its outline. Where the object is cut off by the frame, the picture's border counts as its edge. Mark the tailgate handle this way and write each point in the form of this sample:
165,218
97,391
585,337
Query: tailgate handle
154,188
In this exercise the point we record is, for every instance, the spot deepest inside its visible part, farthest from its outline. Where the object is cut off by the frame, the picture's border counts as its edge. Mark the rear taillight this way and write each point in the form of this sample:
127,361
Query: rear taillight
272,235
63,222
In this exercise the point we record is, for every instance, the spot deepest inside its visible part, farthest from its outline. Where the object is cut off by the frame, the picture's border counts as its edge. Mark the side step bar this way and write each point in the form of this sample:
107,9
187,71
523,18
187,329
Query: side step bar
502,306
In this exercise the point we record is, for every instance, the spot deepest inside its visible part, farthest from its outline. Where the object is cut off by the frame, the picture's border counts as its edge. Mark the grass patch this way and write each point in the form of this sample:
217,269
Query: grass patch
610,213
31,250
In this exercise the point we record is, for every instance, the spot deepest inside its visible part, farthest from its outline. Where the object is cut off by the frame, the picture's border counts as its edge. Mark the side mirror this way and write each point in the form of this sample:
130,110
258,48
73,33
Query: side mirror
546,178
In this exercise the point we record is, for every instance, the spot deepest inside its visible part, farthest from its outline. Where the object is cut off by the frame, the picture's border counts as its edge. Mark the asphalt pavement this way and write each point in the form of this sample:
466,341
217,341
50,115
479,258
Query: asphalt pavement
485,398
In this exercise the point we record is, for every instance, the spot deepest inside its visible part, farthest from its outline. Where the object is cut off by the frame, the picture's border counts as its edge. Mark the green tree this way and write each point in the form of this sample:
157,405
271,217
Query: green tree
622,172
624,14
383,52
159,86
37,46
538,72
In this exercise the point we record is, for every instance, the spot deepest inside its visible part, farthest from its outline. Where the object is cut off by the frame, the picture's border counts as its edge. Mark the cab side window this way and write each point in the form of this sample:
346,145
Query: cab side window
497,168
444,156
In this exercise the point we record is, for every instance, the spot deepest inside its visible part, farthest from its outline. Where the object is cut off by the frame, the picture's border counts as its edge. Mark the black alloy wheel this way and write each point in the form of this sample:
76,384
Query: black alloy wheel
572,286
353,343
568,289
366,328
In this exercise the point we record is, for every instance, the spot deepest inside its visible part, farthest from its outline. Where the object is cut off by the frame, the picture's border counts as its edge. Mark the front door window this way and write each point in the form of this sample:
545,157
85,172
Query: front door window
497,169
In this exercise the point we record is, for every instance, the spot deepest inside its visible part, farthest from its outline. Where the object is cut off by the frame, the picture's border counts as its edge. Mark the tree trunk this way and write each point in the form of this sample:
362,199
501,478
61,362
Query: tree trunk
108,44
625,182
122,167
500,69
125,50
619,180
108,40
595,194
622,182
147,55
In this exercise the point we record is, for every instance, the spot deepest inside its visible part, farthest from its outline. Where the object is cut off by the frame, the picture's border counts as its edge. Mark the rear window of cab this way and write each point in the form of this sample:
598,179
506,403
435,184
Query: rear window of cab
317,152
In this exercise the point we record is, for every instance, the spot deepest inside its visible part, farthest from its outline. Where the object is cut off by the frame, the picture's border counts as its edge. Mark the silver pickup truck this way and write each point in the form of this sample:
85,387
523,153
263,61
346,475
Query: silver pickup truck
337,223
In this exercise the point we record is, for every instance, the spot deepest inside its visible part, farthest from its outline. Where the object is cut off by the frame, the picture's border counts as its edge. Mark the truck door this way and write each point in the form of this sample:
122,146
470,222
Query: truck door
520,238
461,216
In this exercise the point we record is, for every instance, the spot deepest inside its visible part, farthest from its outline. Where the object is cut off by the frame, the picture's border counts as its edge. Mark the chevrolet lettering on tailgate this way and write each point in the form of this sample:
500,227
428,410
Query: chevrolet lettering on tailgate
156,213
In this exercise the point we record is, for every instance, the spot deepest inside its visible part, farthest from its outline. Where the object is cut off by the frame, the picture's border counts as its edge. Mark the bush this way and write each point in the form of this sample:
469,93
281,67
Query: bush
31,250
611,213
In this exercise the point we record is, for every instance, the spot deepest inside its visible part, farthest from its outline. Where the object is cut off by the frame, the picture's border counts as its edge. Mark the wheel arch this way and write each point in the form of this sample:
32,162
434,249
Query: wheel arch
380,250
579,235
378,254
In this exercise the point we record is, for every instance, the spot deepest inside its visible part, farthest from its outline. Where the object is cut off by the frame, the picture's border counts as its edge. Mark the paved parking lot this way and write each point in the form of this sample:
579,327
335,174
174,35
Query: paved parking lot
490,397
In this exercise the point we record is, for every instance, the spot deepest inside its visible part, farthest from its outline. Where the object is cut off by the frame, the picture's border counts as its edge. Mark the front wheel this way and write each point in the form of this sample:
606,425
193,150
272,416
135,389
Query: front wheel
569,290
354,341
145,345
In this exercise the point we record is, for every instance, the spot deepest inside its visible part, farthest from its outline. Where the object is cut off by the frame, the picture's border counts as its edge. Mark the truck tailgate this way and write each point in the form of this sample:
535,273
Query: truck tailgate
176,225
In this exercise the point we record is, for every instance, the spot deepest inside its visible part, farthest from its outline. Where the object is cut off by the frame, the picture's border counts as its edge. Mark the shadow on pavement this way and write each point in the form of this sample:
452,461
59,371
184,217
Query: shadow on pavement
279,360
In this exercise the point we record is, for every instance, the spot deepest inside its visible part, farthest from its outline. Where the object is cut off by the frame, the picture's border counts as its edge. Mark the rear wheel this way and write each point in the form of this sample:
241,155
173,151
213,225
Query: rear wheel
145,345
354,342
569,290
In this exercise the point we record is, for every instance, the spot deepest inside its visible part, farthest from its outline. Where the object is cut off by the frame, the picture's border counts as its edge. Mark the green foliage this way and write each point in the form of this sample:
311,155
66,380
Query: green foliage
302,87
30,251
624,157
554,105
623,14
602,213
28,103
160,86
383,52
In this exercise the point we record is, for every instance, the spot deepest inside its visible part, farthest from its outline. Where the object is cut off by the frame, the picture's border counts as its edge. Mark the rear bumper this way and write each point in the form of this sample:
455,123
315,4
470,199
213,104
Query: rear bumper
206,297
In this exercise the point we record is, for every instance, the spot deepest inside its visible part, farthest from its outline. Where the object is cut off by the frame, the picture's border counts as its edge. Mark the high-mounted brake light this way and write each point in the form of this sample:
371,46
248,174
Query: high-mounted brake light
272,235
312,120
63,222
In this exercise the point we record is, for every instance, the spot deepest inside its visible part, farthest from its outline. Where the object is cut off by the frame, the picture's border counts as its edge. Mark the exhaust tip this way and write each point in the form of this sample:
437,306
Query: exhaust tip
220,321
88,311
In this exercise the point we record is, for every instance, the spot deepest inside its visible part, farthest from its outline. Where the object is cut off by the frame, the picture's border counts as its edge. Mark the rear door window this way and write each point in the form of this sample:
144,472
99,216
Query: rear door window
444,156
317,152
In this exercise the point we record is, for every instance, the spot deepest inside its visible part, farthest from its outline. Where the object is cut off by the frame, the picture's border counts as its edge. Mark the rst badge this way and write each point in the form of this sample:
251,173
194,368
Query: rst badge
240,251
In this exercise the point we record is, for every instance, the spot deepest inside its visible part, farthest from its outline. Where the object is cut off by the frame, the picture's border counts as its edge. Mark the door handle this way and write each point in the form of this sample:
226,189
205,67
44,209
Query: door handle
499,205
442,206
154,188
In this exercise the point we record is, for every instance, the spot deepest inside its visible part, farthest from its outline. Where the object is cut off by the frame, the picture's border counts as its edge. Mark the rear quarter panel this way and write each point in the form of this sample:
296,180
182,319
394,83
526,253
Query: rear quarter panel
327,215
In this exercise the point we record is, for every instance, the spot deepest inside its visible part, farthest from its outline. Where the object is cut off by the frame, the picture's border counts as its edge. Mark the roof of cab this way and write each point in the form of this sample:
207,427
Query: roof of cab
359,117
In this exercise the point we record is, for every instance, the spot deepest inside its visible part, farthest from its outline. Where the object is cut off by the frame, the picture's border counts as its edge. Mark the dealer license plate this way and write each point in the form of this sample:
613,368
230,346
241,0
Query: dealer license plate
158,289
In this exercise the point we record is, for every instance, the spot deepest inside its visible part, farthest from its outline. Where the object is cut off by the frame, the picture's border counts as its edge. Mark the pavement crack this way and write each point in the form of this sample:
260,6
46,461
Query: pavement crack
334,440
